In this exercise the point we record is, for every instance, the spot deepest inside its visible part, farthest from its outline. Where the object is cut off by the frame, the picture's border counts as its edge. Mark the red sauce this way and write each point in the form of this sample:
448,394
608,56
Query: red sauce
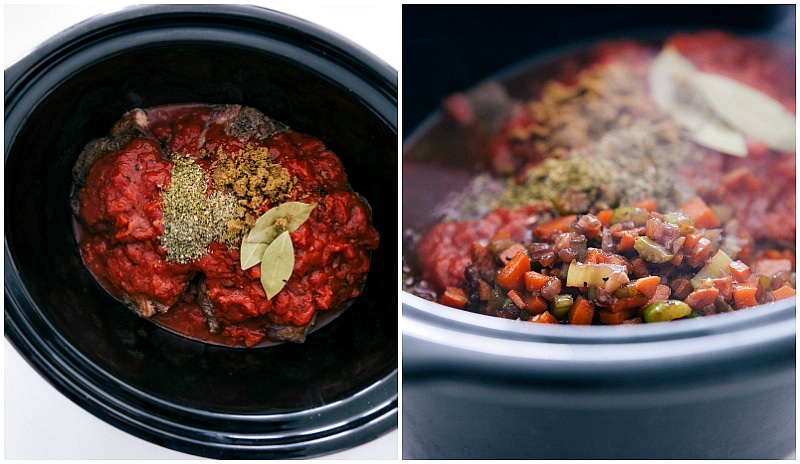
121,206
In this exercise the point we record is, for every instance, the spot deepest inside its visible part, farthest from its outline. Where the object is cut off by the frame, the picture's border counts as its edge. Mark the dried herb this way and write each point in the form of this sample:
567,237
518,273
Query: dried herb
277,264
251,253
287,216
270,244
719,111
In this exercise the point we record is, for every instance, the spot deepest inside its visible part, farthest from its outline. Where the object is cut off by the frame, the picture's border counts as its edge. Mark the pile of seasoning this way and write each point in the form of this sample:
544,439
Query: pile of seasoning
193,220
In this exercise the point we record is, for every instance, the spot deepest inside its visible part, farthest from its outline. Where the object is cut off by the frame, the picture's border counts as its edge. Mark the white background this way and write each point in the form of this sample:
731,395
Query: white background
39,422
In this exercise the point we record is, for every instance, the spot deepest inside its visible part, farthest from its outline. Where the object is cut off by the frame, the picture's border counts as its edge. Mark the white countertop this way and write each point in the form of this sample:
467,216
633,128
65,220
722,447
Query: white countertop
41,423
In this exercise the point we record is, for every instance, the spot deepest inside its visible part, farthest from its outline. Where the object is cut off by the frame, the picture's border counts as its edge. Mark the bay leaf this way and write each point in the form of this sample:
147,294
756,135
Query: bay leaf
675,88
251,253
749,110
264,230
277,264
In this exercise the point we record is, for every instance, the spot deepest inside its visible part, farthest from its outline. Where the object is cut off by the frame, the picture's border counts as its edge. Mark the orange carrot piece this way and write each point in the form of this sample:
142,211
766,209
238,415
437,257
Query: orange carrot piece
647,285
607,317
512,276
627,240
560,224
454,297
605,217
701,213
484,290
744,295
702,297
628,303
534,281
545,318
650,204
784,292
582,312
725,286
502,234
740,271
691,240
595,256
537,304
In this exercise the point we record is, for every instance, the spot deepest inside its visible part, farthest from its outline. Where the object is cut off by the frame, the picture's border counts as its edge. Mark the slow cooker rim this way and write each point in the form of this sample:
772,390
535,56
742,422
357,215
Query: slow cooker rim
380,398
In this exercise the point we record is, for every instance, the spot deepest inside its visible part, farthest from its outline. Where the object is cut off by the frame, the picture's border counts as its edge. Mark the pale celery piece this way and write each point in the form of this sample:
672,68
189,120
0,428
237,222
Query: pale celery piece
718,266
666,310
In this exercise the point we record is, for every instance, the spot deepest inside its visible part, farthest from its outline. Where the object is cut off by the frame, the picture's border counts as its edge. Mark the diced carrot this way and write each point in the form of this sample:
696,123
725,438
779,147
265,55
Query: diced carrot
663,292
649,203
605,217
582,312
607,317
628,303
484,290
512,276
740,271
454,297
517,299
744,295
595,256
502,234
725,286
509,253
626,240
702,297
534,281
481,256
691,240
545,318
537,304
676,260
647,285
699,254
784,292
560,224
698,210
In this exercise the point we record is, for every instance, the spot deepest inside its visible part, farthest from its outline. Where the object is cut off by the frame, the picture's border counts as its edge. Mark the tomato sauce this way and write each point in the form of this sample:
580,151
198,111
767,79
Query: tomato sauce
121,217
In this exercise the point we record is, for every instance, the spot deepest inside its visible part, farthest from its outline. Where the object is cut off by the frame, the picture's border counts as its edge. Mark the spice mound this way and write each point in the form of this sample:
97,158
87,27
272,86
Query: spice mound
221,224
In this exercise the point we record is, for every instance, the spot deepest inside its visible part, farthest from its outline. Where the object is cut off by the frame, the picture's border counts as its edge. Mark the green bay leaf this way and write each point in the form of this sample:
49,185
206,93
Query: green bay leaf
265,230
277,264
750,110
251,253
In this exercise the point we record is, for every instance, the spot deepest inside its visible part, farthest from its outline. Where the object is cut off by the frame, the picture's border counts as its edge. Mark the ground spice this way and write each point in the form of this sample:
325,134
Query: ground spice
253,178
191,219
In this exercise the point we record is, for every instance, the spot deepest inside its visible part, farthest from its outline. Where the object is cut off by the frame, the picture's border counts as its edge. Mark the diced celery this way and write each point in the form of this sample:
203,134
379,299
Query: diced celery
684,222
717,266
561,306
651,251
666,310
629,213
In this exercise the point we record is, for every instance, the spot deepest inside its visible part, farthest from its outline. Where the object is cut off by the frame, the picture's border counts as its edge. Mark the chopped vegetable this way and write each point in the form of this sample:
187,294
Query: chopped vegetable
651,251
744,295
717,266
786,291
582,312
701,214
512,276
454,297
595,275
561,306
666,310
560,224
